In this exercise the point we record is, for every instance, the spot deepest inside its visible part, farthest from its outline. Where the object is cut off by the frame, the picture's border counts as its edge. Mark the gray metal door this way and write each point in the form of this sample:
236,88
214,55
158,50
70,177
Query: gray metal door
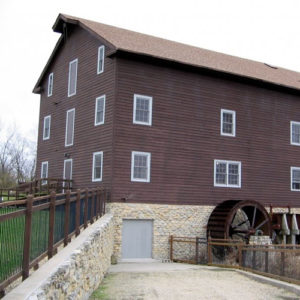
137,239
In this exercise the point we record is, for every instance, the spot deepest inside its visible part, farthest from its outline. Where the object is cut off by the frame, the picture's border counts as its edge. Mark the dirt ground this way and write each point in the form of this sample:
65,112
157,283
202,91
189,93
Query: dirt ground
183,282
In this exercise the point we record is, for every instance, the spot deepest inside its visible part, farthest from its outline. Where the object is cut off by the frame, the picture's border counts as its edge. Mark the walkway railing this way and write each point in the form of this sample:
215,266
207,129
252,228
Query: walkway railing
276,261
37,187
33,229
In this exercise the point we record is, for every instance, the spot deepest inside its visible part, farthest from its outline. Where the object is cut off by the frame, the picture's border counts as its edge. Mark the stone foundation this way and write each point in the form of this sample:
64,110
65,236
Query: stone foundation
177,220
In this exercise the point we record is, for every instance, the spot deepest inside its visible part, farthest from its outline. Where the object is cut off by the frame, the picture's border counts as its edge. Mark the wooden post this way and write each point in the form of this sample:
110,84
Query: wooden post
282,264
101,202
67,218
209,250
171,247
197,251
104,201
253,259
97,203
51,224
77,216
27,238
267,261
92,206
240,255
86,198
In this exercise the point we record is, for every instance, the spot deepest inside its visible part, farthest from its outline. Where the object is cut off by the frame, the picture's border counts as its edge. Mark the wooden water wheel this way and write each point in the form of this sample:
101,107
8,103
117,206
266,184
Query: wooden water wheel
236,219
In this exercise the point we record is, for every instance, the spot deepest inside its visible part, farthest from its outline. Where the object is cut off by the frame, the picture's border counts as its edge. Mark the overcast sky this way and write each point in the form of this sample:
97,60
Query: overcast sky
262,30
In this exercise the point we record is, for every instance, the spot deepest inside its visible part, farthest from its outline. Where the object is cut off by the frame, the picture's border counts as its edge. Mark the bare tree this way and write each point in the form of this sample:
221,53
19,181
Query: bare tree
17,158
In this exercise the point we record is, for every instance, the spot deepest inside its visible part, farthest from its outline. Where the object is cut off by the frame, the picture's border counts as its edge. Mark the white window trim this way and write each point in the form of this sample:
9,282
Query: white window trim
228,162
291,132
65,161
46,164
96,107
44,136
99,51
93,175
69,94
50,84
148,154
233,122
67,118
150,110
291,172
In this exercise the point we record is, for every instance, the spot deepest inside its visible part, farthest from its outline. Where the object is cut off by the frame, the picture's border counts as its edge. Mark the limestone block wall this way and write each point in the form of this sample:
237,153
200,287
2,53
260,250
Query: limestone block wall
178,220
76,271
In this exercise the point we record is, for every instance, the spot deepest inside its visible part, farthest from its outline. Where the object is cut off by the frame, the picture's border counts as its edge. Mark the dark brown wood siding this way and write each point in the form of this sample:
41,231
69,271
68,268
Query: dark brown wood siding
87,137
184,139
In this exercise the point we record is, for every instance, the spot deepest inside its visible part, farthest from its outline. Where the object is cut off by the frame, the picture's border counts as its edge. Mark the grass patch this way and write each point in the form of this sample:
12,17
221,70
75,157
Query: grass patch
101,292
12,238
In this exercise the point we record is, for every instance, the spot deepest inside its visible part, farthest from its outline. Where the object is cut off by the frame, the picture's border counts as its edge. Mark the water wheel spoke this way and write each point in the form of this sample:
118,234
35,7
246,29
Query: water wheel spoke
240,224
241,231
254,216
261,224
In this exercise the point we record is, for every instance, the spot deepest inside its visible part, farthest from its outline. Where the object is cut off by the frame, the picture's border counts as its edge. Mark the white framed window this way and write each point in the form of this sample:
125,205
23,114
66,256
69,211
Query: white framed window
100,64
72,84
47,126
295,179
50,84
295,133
227,173
68,168
70,123
97,166
228,122
142,110
100,110
140,166
44,171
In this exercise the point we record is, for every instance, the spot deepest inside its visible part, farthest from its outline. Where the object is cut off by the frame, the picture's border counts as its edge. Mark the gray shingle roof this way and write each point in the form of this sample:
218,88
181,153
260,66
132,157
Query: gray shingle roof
134,42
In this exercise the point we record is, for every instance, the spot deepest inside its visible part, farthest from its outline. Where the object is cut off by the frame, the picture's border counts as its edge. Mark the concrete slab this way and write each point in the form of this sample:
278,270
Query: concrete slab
147,281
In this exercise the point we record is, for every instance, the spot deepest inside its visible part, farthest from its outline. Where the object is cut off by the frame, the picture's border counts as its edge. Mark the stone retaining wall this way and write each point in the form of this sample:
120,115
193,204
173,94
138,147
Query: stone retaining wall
76,271
178,220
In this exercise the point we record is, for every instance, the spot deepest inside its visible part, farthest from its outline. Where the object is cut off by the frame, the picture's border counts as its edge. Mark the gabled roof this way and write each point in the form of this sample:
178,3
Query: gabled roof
138,43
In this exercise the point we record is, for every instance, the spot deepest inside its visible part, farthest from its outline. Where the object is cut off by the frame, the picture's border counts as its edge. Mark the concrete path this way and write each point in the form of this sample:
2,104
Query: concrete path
143,281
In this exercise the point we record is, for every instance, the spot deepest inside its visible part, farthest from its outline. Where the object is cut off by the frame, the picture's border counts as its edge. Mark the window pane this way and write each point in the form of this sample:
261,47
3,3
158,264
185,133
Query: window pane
100,110
70,127
296,133
100,59
142,110
296,179
97,165
140,166
50,84
72,78
227,123
221,173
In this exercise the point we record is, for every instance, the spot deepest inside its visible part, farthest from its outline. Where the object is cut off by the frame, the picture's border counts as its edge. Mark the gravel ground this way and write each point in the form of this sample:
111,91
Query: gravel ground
179,283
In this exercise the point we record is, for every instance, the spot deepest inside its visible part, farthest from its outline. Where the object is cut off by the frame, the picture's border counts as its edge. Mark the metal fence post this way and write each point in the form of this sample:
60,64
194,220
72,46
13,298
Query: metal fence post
51,224
67,218
27,238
